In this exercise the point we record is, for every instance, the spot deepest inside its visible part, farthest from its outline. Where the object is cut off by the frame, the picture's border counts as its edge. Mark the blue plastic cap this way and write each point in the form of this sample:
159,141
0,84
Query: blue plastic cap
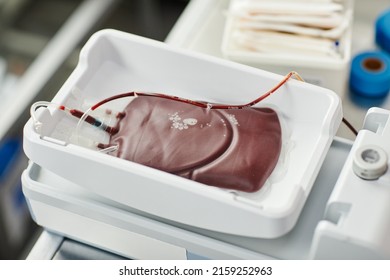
370,74
382,31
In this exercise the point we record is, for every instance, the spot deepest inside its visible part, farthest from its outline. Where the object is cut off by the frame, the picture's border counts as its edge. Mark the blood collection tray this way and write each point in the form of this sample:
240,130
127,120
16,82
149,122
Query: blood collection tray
113,62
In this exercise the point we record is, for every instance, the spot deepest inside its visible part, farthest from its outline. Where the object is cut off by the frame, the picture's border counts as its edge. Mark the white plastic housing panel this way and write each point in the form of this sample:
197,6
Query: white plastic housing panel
113,62
357,224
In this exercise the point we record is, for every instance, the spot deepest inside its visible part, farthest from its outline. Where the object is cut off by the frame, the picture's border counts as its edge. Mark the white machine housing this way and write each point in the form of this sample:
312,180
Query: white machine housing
356,223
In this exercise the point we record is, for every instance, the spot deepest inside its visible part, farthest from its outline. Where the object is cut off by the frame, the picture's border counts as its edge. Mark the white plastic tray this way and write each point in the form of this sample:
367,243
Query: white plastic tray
113,62
329,72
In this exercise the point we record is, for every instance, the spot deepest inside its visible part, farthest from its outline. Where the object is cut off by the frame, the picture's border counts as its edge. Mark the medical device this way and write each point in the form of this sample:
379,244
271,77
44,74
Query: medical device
86,192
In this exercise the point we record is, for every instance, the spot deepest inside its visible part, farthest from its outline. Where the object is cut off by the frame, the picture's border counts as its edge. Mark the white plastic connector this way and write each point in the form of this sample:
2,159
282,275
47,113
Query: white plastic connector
370,162
33,109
